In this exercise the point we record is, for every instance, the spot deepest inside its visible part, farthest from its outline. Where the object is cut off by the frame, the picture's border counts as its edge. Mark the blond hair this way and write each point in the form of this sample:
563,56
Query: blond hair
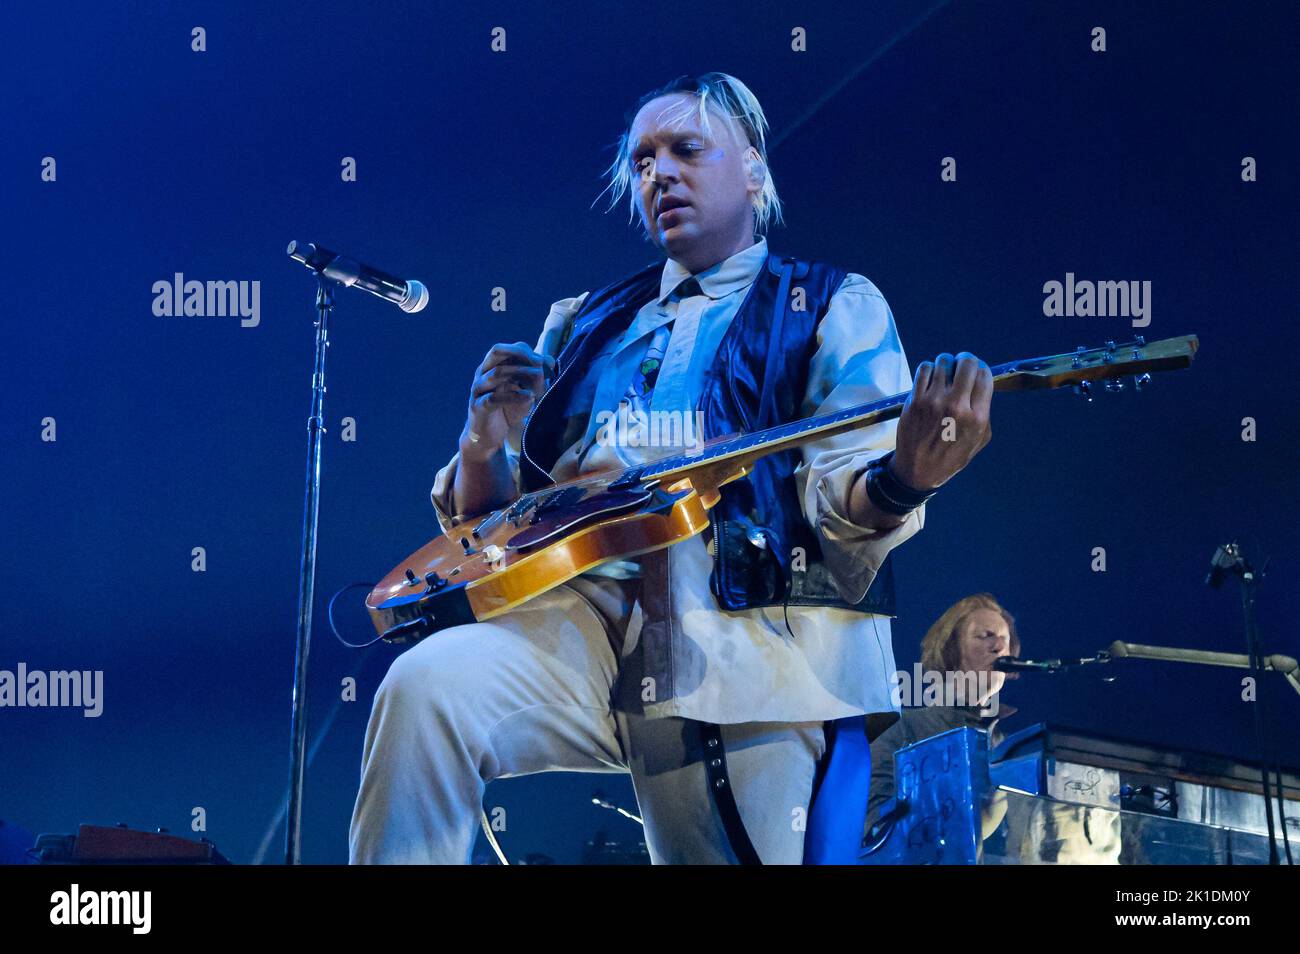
941,649
722,93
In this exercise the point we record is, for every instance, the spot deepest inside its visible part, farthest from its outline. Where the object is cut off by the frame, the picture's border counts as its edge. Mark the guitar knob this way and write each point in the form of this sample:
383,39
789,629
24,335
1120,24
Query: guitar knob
1140,381
1084,390
434,581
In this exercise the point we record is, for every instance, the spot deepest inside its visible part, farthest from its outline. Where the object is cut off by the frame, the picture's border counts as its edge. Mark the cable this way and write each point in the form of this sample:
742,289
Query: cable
335,630
598,798
491,837
785,604
1277,763
1268,749
1247,581
316,745
315,748
853,74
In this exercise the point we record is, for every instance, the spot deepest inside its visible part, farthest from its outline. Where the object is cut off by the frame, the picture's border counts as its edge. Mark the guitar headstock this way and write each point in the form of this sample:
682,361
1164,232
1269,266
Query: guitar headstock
1109,363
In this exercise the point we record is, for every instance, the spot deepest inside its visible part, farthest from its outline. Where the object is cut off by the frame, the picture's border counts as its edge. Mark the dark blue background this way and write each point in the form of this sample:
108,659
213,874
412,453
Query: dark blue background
478,170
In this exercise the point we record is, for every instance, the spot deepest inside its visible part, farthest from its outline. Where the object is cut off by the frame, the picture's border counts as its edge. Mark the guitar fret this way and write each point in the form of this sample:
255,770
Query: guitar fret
784,432
772,435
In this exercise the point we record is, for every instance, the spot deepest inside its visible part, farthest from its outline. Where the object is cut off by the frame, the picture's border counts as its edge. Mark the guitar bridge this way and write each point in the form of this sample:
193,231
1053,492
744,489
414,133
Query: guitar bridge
556,500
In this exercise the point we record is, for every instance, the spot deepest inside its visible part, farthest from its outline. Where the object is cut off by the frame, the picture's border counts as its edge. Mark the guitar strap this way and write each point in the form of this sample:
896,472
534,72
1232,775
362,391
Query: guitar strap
724,800
715,753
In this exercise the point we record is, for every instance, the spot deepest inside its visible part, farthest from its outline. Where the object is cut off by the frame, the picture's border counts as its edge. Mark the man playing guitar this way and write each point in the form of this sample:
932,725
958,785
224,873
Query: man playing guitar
686,667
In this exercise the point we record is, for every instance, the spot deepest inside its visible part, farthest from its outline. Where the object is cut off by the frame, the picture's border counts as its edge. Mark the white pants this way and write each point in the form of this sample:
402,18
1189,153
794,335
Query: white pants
537,690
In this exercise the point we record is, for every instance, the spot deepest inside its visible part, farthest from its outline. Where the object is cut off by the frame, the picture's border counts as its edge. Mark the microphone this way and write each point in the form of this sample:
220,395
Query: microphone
1224,559
410,296
1013,664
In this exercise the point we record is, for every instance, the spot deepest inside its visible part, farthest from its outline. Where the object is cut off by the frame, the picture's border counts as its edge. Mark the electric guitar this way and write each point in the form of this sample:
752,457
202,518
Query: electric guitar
495,561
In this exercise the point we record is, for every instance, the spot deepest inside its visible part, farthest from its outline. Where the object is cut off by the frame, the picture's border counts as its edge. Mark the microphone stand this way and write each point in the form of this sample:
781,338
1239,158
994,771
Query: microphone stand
1228,559
307,575
1257,664
1245,574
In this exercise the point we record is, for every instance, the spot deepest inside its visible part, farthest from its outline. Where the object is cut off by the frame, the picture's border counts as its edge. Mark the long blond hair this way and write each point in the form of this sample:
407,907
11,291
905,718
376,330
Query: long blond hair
941,650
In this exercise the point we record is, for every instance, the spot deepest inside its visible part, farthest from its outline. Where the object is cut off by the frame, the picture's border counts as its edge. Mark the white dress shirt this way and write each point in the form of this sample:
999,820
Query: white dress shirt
743,666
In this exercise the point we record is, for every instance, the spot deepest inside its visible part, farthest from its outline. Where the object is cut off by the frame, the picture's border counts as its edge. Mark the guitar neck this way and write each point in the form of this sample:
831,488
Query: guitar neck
786,436
721,460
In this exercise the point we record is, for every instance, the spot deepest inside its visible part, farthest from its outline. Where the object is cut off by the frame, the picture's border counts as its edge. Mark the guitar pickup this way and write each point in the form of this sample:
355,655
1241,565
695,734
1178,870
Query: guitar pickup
627,480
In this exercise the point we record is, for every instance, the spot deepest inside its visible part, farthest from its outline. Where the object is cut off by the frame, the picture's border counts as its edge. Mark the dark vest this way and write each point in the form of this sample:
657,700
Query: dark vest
759,521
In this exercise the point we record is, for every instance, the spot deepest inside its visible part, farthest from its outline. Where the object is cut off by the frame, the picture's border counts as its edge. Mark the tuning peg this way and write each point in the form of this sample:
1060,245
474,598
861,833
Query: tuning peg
1114,385
1084,390
1140,381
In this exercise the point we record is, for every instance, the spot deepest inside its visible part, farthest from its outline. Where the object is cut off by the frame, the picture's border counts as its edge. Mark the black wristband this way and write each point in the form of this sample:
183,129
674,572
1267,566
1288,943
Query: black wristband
888,493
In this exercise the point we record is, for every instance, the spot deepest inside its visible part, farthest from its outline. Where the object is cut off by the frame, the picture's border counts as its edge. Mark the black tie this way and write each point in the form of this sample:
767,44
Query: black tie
689,288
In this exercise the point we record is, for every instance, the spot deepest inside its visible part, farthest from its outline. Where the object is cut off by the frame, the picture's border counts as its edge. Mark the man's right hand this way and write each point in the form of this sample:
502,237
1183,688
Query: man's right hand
506,385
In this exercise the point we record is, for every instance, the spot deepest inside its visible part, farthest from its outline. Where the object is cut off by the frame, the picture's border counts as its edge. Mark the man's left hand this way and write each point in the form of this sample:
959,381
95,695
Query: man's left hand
945,421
